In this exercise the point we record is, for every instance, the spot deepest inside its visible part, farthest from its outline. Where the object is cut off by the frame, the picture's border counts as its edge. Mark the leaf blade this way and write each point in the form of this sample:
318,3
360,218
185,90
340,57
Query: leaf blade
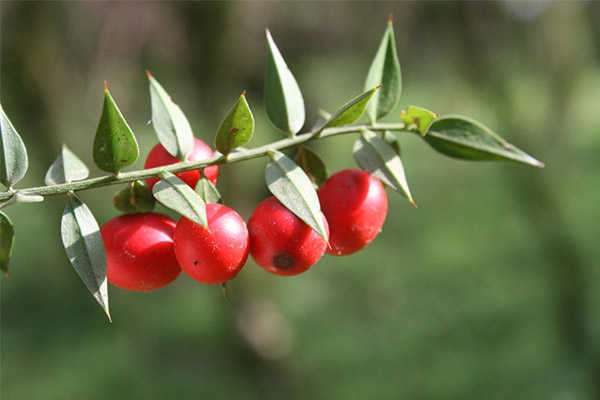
85,249
420,117
288,182
237,127
135,198
172,127
176,195
115,146
7,241
283,100
67,167
378,158
464,138
312,164
207,191
13,154
352,110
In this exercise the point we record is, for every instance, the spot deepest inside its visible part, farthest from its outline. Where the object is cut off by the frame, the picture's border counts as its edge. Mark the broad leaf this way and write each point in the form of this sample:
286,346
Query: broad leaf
288,182
237,127
66,168
207,191
135,198
418,117
115,146
352,110
7,240
312,164
283,99
385,71
85,248
393,141
13,155
461,137
170,124
377,157
175,194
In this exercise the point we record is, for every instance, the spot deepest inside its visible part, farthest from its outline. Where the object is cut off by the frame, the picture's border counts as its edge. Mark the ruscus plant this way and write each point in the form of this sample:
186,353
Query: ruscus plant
309,214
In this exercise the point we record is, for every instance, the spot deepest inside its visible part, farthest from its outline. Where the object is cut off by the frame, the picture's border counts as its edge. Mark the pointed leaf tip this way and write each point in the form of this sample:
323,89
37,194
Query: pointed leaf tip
148,74
105,86
390,18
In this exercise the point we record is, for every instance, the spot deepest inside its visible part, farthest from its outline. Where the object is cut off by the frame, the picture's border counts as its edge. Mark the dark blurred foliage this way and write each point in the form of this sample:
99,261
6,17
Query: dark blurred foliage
489,290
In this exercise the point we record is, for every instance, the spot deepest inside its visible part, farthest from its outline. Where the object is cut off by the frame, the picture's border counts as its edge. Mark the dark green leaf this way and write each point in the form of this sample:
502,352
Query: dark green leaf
418,117
170,124
66,168
352,110
283,99
237,127
385,71
461,137
7,240
115,146
288,182
175,194
392,140
377,157
85,248
207,191
135,198
312,164
13,155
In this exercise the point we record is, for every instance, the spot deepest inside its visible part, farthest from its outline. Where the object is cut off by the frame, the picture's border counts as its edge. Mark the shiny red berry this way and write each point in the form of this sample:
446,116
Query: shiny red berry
355,205
216,254
282,243
158,157
139,251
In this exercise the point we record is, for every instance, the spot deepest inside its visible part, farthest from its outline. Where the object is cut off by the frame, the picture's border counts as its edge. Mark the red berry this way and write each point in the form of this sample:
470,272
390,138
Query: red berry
282,243
139,251
355,205
158,157
216,254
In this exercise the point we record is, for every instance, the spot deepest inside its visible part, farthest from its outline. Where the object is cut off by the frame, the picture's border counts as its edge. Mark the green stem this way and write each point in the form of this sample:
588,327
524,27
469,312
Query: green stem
235,156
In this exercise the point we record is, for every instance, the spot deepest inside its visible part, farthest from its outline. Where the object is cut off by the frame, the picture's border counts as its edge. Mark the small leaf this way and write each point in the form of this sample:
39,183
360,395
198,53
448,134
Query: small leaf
85,248
7,240
385,71
24,197
170,124
66,168
237,127
175,194
419,117
352,110
115,146
288,182
312,164
13,154
207,191
135,198
461,137
392,140
283,99
377,157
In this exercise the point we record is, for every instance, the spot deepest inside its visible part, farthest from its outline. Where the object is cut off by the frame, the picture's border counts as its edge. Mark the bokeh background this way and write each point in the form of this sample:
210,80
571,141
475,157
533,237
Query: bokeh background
489,290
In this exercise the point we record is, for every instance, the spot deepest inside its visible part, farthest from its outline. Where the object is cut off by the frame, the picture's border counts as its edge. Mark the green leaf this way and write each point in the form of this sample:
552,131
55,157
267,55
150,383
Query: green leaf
13,155
7,240
66,168
418,117
24,197
207,191
85,248
288,182
237,127
115,146
283,99
170,124
135,198
312,164
352,110
385,71
392,140
175,194
377,157
461,137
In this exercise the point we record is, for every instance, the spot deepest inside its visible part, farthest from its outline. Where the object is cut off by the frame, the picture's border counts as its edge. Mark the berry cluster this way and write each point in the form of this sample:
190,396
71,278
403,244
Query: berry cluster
147,251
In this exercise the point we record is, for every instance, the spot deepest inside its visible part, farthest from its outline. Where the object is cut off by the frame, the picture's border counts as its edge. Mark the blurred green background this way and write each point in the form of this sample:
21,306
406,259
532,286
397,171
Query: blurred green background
489,290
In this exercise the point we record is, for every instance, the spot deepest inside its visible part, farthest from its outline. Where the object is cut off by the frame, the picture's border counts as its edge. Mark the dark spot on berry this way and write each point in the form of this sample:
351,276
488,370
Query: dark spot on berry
196,262
284,261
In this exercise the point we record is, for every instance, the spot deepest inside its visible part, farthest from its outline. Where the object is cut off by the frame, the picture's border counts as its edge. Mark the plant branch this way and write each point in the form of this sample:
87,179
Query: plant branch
235,156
